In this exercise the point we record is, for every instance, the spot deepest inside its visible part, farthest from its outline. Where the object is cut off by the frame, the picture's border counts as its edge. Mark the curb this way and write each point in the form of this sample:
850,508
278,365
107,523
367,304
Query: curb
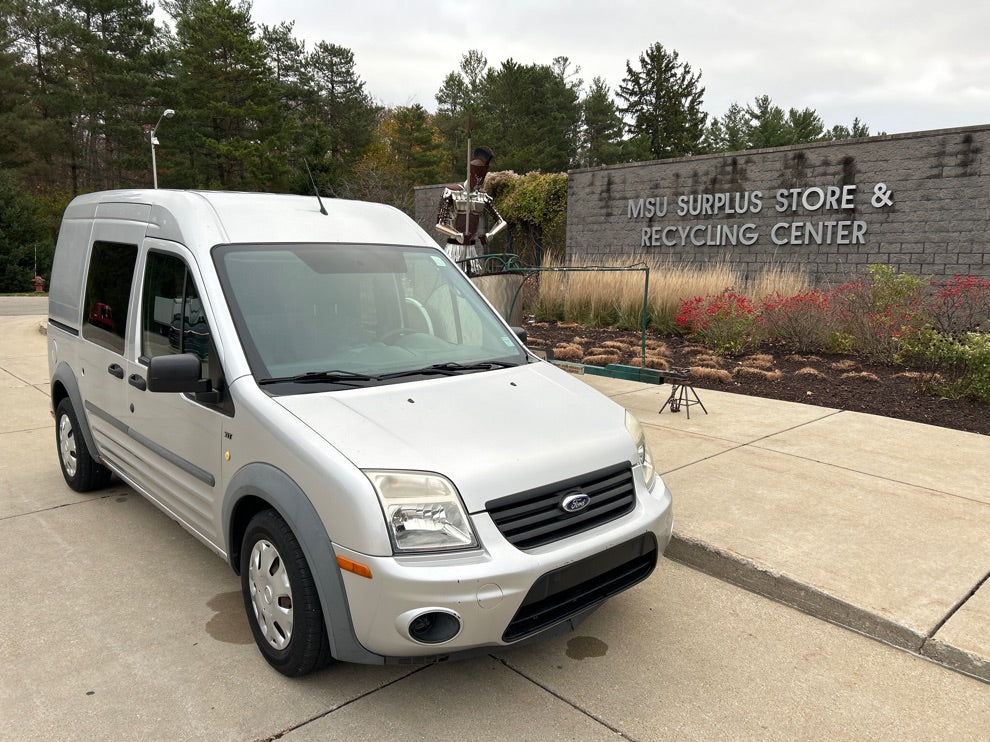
957,659
739,570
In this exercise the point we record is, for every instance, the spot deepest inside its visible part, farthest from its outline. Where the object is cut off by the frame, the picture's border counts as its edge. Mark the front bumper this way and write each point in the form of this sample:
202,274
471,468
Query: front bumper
499,594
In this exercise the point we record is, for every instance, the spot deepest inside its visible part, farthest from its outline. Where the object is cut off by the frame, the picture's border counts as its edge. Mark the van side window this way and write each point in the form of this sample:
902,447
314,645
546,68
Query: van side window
172,318
108,294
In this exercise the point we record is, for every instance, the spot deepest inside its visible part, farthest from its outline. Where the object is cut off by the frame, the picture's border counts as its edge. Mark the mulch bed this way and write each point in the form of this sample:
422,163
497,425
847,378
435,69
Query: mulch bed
837,381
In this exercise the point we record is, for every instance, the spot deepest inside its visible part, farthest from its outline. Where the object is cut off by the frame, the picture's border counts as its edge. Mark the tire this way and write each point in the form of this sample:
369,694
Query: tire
81,471
280,598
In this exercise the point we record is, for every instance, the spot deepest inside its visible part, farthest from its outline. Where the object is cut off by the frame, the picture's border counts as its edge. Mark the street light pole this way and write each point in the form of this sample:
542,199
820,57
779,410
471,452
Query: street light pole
166,114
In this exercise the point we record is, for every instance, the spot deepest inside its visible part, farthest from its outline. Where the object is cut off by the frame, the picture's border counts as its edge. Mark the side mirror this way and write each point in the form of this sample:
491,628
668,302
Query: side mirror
177,373
521,334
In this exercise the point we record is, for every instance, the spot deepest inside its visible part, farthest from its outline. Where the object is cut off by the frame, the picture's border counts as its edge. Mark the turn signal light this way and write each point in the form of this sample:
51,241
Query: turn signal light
349,565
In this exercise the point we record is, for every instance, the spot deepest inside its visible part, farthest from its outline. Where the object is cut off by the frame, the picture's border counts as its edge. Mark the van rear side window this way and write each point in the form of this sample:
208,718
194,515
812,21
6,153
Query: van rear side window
108,294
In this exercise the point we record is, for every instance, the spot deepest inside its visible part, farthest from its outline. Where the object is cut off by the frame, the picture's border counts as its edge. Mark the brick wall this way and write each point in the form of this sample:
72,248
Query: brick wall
919,202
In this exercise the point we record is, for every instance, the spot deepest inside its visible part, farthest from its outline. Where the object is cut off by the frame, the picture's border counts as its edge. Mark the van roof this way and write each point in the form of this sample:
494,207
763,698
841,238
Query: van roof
202,219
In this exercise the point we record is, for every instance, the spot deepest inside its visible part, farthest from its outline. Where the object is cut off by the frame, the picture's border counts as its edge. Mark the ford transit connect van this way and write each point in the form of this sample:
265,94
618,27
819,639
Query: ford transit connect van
327,402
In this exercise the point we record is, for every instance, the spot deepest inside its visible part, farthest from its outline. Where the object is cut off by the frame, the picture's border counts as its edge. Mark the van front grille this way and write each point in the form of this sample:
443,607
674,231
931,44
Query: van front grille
536,517
566,592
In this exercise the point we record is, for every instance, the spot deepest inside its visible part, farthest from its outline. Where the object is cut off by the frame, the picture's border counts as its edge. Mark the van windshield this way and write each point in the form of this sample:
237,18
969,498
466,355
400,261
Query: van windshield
312,316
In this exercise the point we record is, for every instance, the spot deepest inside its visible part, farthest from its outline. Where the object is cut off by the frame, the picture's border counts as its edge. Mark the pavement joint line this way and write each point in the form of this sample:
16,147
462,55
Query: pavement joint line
563,699
867,473
339,706
81,501
736,445
955,609
24,430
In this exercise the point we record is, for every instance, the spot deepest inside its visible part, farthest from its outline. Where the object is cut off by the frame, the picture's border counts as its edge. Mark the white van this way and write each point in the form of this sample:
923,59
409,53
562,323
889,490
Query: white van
328,403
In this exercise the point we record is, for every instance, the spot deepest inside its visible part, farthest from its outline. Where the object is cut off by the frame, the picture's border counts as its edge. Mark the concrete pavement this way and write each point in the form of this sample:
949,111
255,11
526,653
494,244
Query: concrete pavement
116,624
876,524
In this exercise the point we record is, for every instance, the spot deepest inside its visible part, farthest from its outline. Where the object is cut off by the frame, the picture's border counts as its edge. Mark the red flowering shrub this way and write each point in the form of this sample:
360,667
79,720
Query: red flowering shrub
877,316
959,305
724,322
803,322
879,312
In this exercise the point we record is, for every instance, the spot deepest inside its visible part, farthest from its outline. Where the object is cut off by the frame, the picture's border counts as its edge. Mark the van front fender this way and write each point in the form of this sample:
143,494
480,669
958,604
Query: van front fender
257,486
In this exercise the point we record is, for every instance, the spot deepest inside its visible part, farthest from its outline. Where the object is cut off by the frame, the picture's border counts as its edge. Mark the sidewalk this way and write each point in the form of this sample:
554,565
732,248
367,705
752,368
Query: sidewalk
875,524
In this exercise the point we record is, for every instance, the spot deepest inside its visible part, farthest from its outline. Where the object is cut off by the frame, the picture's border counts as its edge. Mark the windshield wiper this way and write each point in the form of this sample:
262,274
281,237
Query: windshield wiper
450,369
324,377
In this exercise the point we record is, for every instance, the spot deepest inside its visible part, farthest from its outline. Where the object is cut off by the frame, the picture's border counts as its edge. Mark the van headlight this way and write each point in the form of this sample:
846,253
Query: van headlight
642,449
423,511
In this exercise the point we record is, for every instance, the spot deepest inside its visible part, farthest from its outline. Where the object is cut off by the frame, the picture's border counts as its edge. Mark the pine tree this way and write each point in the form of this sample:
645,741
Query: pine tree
529,116
228,113
17,114
601,133
456,103
663,104
344,114
731,132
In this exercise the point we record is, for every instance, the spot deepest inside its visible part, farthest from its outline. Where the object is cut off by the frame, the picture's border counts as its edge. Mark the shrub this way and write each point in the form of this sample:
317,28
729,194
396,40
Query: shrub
959,305
964,362
802,322
879,312
724,322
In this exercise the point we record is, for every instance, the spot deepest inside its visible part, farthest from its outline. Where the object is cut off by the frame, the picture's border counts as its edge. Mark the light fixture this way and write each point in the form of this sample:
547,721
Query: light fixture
166,114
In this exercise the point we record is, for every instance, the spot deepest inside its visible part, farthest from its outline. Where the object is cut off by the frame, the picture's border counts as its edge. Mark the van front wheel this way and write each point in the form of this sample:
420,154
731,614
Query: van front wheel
280,598
81,471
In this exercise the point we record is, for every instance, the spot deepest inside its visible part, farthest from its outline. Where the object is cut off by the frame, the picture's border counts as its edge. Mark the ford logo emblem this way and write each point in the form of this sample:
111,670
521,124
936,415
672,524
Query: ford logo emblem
575,503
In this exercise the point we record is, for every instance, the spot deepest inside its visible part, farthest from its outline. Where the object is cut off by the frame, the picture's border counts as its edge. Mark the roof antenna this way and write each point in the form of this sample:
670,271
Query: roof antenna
315,189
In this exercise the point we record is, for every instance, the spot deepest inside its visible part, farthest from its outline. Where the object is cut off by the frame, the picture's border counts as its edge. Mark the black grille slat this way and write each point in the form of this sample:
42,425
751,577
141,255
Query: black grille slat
534,518
564,593
557,529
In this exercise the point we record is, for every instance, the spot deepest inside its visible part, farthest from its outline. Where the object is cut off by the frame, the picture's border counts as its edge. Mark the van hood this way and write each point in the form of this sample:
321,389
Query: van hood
492,433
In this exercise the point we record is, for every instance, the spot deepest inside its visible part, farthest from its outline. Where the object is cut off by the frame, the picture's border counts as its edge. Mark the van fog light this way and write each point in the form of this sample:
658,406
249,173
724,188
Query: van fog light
432,626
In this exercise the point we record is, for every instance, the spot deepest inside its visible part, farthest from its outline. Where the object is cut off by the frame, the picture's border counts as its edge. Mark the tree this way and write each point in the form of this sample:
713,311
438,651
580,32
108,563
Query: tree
601,132
529,116
17,114
839,131
731,132
114,61
455,104
91,77
406,152
663,104
804,126
228,112
415,144
768,127
344,114
23,237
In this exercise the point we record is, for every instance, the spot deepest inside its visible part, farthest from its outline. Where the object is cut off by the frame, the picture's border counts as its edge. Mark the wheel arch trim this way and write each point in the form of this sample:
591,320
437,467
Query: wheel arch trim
260,485
64,378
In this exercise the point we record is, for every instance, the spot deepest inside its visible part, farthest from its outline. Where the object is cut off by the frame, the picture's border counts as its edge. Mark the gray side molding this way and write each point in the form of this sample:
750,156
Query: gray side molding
65,376
276,488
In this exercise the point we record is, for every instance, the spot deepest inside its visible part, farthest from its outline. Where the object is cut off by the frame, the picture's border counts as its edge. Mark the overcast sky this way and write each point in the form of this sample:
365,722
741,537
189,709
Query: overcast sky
899,65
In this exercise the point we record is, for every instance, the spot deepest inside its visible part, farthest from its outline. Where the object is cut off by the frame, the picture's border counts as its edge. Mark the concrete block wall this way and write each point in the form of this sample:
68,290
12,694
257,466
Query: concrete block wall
919,202
427,204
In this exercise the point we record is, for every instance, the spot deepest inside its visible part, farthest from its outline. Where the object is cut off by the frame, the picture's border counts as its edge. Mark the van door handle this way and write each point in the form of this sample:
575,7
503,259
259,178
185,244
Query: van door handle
137,381
115,369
